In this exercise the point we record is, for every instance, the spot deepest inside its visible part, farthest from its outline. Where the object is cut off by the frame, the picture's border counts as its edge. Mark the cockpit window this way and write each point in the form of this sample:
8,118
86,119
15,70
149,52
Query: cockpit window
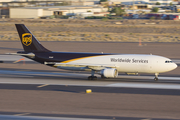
168,62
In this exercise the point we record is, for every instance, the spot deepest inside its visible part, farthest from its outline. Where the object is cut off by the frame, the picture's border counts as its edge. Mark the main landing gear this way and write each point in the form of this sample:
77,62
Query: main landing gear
92,77
103,77
156,77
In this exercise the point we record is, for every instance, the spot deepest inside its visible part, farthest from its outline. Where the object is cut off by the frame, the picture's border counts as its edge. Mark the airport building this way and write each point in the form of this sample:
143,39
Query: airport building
131,2
35,3
37,12
162,2
47,0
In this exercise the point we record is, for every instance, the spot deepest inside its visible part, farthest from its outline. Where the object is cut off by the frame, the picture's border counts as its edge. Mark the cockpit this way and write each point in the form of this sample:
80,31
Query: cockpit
168,61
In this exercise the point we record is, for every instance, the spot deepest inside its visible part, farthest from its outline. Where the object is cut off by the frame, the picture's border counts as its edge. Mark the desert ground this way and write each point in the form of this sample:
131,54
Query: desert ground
94,30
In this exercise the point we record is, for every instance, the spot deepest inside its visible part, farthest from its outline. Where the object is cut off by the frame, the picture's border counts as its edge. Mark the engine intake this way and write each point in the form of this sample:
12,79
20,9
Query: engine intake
109,72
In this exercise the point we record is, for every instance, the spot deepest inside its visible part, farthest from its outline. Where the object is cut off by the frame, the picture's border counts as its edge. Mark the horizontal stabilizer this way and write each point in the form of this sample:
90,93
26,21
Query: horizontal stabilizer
31,55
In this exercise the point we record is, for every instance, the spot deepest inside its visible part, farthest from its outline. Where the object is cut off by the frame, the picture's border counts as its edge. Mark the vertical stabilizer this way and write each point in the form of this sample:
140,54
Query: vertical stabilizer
29,42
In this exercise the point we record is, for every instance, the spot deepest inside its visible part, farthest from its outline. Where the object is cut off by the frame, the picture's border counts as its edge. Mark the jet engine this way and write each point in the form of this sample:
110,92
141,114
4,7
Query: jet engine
109,72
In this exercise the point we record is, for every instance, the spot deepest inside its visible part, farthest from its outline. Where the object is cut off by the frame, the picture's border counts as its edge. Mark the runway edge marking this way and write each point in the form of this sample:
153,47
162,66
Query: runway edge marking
143,85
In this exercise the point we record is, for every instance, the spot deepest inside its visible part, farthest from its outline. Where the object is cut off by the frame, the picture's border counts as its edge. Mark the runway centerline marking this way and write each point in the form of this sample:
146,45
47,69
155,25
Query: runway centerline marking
42,85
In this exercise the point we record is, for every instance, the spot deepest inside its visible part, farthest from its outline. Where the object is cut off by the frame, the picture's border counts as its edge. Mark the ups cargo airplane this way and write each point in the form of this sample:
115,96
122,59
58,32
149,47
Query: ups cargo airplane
105,64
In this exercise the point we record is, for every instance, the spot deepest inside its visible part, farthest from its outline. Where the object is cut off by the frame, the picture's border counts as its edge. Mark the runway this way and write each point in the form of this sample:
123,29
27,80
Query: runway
33,91
18,117
79,83
79,79
111,98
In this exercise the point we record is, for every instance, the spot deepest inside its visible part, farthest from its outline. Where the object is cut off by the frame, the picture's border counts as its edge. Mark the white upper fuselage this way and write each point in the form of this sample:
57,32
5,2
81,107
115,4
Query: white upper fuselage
130,63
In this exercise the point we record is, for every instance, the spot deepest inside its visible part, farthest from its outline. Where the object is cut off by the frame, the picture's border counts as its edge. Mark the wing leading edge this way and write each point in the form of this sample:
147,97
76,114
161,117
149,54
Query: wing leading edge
89,66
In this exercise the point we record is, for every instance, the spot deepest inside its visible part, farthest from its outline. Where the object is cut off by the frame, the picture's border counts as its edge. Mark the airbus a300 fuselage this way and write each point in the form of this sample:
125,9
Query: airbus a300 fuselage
107,65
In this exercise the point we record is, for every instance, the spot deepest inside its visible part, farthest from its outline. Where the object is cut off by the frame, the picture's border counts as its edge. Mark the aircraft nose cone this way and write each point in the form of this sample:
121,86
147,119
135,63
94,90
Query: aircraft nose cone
174,66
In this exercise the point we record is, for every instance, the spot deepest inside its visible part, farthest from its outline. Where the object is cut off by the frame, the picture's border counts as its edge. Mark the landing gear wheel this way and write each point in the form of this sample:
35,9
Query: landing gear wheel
155,79
103,77
92,78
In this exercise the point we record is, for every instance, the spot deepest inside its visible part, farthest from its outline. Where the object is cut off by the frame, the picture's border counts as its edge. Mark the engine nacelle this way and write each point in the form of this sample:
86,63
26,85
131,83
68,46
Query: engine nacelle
109,72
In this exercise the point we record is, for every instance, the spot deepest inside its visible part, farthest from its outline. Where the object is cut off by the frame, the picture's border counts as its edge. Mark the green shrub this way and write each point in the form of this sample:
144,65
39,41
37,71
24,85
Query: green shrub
52,16
155,9
152,18
104,19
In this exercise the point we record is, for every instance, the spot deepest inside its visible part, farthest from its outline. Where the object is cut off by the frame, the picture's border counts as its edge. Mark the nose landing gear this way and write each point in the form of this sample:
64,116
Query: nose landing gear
156,77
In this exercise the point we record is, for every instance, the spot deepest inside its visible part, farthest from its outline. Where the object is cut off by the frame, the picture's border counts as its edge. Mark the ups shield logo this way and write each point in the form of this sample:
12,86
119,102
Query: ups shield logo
27,39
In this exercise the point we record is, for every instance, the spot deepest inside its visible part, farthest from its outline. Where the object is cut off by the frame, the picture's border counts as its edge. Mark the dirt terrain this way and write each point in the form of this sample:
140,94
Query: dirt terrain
94,30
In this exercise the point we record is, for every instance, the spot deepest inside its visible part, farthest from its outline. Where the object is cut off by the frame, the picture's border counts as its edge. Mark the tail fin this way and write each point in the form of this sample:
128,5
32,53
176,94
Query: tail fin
29,42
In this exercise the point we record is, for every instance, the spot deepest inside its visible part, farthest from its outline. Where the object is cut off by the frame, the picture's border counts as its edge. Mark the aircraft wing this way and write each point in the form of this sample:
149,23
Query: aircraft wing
90,66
